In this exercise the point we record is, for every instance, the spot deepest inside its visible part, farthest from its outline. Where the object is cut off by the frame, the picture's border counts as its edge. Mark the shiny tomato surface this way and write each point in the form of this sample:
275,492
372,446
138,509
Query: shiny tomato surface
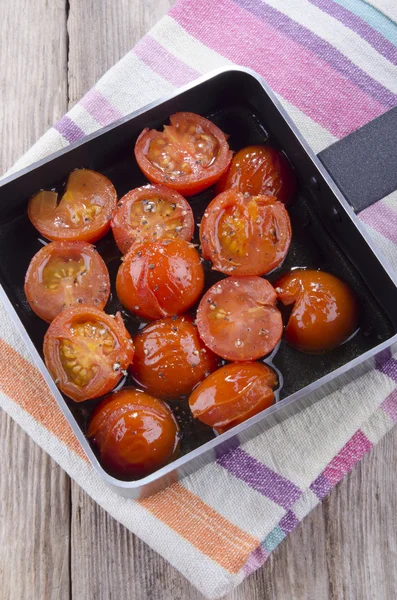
65,274
189,155
260,170
151,212
160,279
87,351
170,358
245,235
325,310
238,319
83,213
133,433
233,394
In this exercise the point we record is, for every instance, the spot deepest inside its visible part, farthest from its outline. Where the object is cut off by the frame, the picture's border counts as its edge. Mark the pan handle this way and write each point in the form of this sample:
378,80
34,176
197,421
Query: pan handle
364,163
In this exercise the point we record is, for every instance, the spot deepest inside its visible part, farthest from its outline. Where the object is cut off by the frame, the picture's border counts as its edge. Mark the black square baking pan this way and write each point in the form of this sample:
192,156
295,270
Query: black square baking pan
327,234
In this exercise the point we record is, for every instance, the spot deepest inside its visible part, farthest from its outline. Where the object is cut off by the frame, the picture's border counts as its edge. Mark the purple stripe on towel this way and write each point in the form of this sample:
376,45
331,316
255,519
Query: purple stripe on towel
68,128
353,22
321,48
259,477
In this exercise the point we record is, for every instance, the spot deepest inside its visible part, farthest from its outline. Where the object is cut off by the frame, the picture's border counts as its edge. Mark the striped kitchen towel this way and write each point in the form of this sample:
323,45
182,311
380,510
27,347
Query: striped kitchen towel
333,64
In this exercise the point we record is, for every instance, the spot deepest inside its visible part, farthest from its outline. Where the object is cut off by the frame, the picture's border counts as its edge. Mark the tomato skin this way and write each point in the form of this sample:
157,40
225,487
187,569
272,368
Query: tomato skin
190,142
83,213
175,221
233,394
260,170
133,433
170,358
48,287
160,279
245,235
238,319
325,311
102,353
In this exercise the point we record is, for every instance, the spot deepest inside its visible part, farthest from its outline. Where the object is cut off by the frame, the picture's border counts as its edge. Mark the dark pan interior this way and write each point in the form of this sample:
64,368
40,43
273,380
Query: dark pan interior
312,246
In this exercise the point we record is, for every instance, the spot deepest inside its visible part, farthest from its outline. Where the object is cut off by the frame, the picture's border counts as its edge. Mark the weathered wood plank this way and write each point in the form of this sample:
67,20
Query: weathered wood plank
100,33
34,491
33,82
34,520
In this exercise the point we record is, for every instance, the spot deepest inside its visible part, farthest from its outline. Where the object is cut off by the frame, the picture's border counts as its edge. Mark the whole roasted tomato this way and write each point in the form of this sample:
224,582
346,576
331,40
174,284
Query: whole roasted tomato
160,279
87,351
170,358
65,274
189,155
133,433
245,235
258,170
83,213
325,310
233,394
151,212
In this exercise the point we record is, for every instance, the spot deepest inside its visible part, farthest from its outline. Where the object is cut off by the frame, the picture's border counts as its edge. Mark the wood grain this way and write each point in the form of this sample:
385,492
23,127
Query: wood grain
55,542
33,73
34,491
34,520
100,33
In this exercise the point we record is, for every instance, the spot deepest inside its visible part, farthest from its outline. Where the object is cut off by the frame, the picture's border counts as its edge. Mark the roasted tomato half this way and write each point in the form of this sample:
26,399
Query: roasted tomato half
160,279
325,310
238,319
245,235
170,358
64,274
87,351
260,170
189,155
152,212
233,394
83,213
133,433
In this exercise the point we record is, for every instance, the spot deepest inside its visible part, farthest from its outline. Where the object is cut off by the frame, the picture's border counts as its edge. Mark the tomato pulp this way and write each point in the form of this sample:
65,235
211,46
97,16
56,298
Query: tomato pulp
189,155
64,274
238,319
245,235
83,213
151,212
87,351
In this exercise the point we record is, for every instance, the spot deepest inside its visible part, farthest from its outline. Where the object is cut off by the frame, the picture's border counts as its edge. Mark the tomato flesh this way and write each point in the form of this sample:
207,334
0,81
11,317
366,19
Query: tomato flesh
152,212
238,319
189,155
233,394
325,310
259,170
245,235
160,279
83,213
87,351
133,433
64,274
170,358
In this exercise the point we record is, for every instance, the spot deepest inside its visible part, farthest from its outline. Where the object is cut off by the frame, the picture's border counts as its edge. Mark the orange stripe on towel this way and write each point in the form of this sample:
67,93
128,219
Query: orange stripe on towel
24,384
202,526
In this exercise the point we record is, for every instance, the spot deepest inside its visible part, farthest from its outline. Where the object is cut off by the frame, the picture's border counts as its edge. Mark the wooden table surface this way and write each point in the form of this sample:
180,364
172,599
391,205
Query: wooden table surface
55,542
